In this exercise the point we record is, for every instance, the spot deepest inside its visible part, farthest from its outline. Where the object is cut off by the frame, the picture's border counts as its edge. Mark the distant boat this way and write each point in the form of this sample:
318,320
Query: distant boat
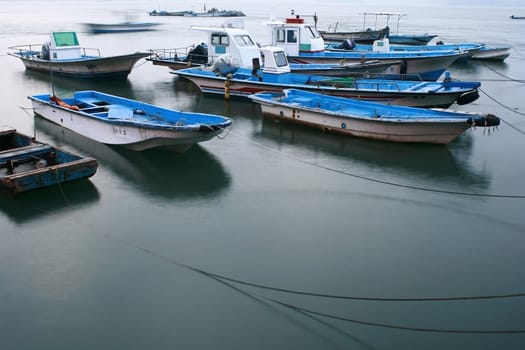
123,27
168,13
26,164
136,125
367,119
225,78
63,55
213,12
517,17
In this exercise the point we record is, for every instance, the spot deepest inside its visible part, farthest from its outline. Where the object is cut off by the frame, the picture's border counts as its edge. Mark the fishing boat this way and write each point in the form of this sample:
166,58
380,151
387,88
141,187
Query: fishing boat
27,164
229,80
366,36
122,27
135,125
492,53
63,55
243,47
303,44
367,119
385,45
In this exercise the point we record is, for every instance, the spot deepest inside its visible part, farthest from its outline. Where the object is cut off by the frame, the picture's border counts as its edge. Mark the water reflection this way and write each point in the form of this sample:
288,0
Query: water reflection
194,174
434,163
64,85
54,200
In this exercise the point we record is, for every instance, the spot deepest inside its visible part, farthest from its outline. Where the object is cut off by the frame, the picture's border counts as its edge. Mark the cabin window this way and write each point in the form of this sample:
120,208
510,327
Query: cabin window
219,39
280,35
244,40
291,35
280,58
65,39
312,32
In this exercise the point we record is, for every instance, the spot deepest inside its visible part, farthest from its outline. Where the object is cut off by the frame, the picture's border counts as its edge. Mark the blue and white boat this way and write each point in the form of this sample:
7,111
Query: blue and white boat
27,164
136,125
63,55
244,49
230,80
303,44
367,119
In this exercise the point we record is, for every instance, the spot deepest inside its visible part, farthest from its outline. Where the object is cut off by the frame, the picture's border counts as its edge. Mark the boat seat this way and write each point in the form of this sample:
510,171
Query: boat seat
117,112
22,151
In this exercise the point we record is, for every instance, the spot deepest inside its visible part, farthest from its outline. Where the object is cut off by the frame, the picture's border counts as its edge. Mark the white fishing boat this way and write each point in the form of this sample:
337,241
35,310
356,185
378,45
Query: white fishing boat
63,55
367,119
124,122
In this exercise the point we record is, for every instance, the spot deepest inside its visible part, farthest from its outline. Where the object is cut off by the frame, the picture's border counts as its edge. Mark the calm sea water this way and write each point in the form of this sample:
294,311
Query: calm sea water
123,261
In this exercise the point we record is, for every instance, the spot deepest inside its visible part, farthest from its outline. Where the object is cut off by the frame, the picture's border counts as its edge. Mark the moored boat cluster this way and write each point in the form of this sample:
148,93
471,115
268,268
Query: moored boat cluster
375,90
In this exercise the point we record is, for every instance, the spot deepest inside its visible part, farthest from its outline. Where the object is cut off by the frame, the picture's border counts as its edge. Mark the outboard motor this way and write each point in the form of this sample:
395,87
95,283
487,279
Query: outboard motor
45,51
348,44
224,65
199,54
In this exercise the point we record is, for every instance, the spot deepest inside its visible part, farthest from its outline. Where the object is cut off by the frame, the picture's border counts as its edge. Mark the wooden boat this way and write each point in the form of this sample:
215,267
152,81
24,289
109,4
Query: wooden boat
122,27
124,122
303,44
63,55
367,119
26,164
276,76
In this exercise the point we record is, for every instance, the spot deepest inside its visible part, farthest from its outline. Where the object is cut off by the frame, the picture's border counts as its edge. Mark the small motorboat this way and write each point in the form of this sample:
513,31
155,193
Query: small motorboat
136,125
63,55
367,119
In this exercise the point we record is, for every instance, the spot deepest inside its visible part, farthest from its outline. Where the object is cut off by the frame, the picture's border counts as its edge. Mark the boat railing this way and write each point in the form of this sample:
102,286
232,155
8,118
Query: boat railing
35,50
172,53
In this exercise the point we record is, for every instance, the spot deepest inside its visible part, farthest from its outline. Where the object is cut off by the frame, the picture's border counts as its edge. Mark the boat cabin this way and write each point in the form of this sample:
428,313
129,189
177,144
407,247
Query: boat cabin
294,36
62,46
234,41
275,60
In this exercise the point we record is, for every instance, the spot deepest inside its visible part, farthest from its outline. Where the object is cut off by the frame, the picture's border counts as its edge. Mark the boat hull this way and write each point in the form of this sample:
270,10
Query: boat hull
88,67
493,54
221,85
137,137
428,68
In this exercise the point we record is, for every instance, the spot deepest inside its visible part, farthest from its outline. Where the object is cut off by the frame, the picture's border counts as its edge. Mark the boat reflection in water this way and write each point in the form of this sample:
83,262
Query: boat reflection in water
433,166
56,201
194,174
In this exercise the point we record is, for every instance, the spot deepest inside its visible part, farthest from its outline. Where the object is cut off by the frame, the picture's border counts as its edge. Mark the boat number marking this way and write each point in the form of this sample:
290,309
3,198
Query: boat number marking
119,131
